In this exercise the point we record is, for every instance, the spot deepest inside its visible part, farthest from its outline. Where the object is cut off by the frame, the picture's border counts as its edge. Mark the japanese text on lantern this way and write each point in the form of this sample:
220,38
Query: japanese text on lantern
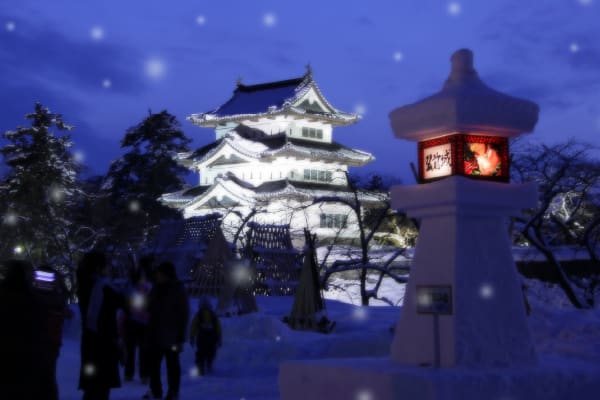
437,161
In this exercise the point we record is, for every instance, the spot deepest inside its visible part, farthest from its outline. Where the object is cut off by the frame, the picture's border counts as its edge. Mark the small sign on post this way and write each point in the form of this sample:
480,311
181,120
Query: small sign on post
435,300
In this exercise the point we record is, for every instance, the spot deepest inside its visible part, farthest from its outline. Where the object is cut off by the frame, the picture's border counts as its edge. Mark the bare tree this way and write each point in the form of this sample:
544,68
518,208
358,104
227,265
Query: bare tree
568,178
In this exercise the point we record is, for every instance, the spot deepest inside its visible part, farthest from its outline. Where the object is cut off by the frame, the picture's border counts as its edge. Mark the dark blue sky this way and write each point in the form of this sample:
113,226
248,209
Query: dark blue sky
104,63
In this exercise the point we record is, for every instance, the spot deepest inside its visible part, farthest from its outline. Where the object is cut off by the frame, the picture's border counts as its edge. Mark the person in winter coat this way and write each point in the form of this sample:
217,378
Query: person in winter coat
136,322
169,313
23,336
100,351
205,335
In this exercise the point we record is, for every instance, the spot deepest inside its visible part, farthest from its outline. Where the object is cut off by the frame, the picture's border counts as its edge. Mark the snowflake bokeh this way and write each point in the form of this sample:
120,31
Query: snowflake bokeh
454,8
269,20
138,301
398,56
486,291
360,313
79,156
194,372
364,394
360,109
18,250
97,33
201,20
106,83
10,219
10,26
89,369
574,47
155,68
585,2
57,193
134,206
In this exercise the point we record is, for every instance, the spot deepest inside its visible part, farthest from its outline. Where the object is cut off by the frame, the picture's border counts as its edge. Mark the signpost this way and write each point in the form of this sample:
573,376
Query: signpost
436,300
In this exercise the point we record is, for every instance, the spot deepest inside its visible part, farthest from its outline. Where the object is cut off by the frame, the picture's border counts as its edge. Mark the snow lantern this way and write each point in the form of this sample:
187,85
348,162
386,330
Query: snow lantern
465,128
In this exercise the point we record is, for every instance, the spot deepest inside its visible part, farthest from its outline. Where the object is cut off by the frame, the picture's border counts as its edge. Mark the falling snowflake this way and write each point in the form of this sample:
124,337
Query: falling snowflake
360,313
89,369
106,83
155,68
424,299
201,20
10,218
278,338
97,33
398,56
194,372
574,47
138,301
57,194
269,20
360,109
486,291
364,394
79,156
454,8
10,26
18,250
135,206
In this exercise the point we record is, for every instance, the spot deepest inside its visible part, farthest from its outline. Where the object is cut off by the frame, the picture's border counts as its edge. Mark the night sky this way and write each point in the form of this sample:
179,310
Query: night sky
104,63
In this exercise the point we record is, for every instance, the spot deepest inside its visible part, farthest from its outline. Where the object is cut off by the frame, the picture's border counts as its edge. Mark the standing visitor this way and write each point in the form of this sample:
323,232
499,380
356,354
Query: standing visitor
205,335
100,352
169,313
136,323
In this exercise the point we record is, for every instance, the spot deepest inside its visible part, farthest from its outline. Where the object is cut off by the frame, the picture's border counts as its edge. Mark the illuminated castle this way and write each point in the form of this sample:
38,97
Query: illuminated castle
273,155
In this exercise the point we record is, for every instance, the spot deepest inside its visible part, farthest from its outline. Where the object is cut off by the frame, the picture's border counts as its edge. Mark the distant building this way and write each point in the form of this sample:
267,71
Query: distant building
273,155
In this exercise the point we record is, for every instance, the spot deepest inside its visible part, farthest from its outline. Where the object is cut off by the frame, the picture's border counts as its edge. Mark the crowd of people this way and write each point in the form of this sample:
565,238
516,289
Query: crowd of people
139,325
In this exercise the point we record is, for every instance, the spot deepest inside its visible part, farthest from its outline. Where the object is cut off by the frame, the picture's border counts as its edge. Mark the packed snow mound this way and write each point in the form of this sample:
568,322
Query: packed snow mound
254,327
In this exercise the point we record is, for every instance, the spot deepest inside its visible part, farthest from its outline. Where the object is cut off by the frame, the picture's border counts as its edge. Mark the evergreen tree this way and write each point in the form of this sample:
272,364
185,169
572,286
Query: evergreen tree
40,188
146,171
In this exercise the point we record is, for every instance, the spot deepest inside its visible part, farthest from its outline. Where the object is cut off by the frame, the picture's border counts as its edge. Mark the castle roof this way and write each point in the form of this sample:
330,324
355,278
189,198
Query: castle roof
287,97
279,145
265,192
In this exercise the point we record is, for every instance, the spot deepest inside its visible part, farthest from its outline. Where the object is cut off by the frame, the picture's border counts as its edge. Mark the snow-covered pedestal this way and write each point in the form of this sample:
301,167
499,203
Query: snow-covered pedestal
464,245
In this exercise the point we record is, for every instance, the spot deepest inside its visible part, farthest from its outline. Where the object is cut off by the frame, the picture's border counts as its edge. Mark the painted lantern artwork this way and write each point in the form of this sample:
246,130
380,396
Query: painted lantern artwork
476,156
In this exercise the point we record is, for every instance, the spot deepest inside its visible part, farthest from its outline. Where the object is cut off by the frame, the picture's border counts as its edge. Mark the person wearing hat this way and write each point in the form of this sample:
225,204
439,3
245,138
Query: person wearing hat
168,308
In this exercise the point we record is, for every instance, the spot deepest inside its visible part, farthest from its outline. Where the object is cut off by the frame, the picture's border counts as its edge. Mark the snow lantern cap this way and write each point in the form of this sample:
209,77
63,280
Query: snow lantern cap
464,105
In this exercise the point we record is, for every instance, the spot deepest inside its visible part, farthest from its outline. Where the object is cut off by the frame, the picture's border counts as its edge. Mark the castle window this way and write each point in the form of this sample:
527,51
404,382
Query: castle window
333,221
312,133
317,176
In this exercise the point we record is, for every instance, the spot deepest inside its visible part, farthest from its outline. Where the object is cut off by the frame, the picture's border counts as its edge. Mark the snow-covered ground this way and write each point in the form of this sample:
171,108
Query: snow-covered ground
254,345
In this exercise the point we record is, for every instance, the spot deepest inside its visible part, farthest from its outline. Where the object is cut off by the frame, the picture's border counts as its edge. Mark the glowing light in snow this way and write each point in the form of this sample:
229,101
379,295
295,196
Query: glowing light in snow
79,156
454,8
155,68
364,394
57,194
574,47
10,218
398,56
97,33
486,291
360,109
135,206
89,369
360,313
269,19
106,83
18,250
201,20
10,26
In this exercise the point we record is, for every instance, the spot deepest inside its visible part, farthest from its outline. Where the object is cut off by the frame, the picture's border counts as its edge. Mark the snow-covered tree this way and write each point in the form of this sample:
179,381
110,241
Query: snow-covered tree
40,188
136,180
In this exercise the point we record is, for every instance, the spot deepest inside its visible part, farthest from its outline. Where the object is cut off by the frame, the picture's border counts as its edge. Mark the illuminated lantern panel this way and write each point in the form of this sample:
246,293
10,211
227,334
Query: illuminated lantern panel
474,156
